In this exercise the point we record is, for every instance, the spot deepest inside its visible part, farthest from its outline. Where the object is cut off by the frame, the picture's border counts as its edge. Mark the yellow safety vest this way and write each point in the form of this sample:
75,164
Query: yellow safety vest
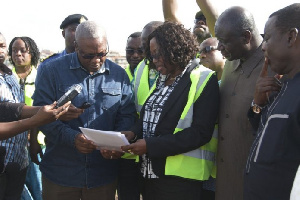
128,71
141,85
29,86
196,164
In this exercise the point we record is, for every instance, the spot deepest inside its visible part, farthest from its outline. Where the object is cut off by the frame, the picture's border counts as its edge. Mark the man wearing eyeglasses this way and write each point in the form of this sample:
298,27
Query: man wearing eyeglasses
134,53
211,57
72,168
128,185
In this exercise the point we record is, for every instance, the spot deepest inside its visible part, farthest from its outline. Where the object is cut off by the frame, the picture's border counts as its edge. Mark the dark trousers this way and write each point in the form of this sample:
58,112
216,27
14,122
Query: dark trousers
171,188
52,191
15,180
128,180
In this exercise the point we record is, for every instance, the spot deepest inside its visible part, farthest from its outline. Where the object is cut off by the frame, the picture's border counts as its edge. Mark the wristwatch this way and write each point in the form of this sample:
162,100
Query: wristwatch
256,108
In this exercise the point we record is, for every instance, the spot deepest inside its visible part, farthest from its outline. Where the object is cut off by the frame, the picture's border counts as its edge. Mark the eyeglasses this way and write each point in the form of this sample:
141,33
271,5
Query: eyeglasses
154,56
203,19
208,49
132,51
91,56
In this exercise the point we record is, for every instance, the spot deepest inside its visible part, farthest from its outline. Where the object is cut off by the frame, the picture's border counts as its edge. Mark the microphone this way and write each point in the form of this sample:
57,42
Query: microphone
2,157
69,95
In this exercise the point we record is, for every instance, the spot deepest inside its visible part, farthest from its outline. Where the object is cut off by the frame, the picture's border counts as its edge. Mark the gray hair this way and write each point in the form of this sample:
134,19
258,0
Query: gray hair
90,30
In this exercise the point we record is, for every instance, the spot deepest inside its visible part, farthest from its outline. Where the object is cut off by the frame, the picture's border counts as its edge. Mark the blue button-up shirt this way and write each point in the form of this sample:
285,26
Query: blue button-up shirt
109,93
16,147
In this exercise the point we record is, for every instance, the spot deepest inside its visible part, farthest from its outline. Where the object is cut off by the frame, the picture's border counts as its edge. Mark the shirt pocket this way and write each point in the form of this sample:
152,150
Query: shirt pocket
271,144
111,99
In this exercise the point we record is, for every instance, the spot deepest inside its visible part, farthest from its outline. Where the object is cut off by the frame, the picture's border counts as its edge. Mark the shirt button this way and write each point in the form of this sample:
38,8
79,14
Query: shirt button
222,160
222,138
227,116
242,71
233,94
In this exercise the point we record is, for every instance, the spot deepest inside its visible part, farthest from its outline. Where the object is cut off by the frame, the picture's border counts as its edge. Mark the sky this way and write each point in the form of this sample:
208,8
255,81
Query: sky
40,19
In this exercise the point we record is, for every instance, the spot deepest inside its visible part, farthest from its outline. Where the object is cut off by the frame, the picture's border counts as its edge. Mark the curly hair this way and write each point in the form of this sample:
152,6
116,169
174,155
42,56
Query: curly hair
30,45
176,44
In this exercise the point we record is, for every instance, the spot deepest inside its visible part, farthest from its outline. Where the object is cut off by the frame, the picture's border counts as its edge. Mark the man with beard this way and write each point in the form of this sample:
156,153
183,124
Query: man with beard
201,30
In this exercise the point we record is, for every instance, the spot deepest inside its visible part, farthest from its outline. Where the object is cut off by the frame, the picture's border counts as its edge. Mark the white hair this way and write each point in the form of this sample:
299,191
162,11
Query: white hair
90,29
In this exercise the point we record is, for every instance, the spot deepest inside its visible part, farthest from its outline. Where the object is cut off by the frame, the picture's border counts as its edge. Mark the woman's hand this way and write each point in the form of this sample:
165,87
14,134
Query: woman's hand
129,135
137,148
49,113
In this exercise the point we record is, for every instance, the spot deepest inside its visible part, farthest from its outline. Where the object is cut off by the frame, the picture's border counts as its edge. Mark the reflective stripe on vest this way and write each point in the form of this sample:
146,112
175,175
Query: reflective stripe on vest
141,85
196,164
128,72
29,86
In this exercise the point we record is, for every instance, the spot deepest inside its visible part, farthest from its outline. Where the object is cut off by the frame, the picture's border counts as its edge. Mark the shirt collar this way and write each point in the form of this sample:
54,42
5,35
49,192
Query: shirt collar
251,63
5,69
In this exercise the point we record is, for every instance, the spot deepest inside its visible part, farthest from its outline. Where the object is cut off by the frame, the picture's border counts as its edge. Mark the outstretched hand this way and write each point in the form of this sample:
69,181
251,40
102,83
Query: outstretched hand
265,85
49,113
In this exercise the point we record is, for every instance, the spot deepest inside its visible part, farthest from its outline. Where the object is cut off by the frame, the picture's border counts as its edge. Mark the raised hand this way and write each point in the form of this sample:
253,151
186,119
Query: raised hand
48,113
265,85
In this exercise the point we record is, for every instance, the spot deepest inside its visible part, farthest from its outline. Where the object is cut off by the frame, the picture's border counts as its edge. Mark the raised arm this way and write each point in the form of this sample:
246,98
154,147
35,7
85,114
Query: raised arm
210,12
43,115
170,8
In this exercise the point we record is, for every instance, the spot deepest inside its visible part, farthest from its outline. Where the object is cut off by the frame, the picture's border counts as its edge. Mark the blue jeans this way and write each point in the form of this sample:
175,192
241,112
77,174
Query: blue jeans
33,185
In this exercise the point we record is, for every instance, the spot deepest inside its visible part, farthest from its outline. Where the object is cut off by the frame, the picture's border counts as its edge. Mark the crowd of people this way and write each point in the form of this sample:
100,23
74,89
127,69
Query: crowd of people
209,114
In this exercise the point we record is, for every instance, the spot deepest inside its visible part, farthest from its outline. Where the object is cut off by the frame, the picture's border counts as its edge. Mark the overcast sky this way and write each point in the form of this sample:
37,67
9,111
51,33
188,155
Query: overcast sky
41,19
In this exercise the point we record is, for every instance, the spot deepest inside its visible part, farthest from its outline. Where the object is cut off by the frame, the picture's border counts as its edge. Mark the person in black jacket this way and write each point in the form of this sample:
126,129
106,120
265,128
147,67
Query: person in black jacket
171,48
275,154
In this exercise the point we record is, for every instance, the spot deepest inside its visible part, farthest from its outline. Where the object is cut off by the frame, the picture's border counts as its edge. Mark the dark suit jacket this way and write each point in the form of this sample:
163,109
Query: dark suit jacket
168,144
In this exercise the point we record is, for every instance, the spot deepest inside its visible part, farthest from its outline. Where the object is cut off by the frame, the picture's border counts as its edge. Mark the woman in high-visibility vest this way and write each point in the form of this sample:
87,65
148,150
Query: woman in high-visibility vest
24,55
175,130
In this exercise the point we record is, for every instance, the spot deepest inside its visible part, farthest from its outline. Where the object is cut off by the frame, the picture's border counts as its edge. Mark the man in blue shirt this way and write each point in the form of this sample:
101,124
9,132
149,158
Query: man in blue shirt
72,168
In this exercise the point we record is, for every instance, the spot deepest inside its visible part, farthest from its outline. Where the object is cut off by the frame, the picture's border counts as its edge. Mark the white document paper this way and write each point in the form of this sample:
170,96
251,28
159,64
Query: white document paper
110,140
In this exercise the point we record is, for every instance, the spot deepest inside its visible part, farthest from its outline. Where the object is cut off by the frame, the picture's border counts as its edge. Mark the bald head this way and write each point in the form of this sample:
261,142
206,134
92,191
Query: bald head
90,30
238,19
148,29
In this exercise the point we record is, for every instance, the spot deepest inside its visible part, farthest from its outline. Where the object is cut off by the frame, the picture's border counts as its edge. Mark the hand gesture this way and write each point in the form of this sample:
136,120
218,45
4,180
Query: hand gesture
49,113
137,148
73,113
84,145
265,85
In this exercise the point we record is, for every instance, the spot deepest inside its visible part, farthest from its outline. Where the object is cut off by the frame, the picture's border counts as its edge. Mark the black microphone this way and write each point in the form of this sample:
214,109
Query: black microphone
69,95
2,157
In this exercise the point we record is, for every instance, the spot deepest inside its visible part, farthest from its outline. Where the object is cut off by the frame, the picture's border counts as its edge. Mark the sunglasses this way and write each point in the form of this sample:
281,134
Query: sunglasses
203,19
154,56
91,56
132,51
208,49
